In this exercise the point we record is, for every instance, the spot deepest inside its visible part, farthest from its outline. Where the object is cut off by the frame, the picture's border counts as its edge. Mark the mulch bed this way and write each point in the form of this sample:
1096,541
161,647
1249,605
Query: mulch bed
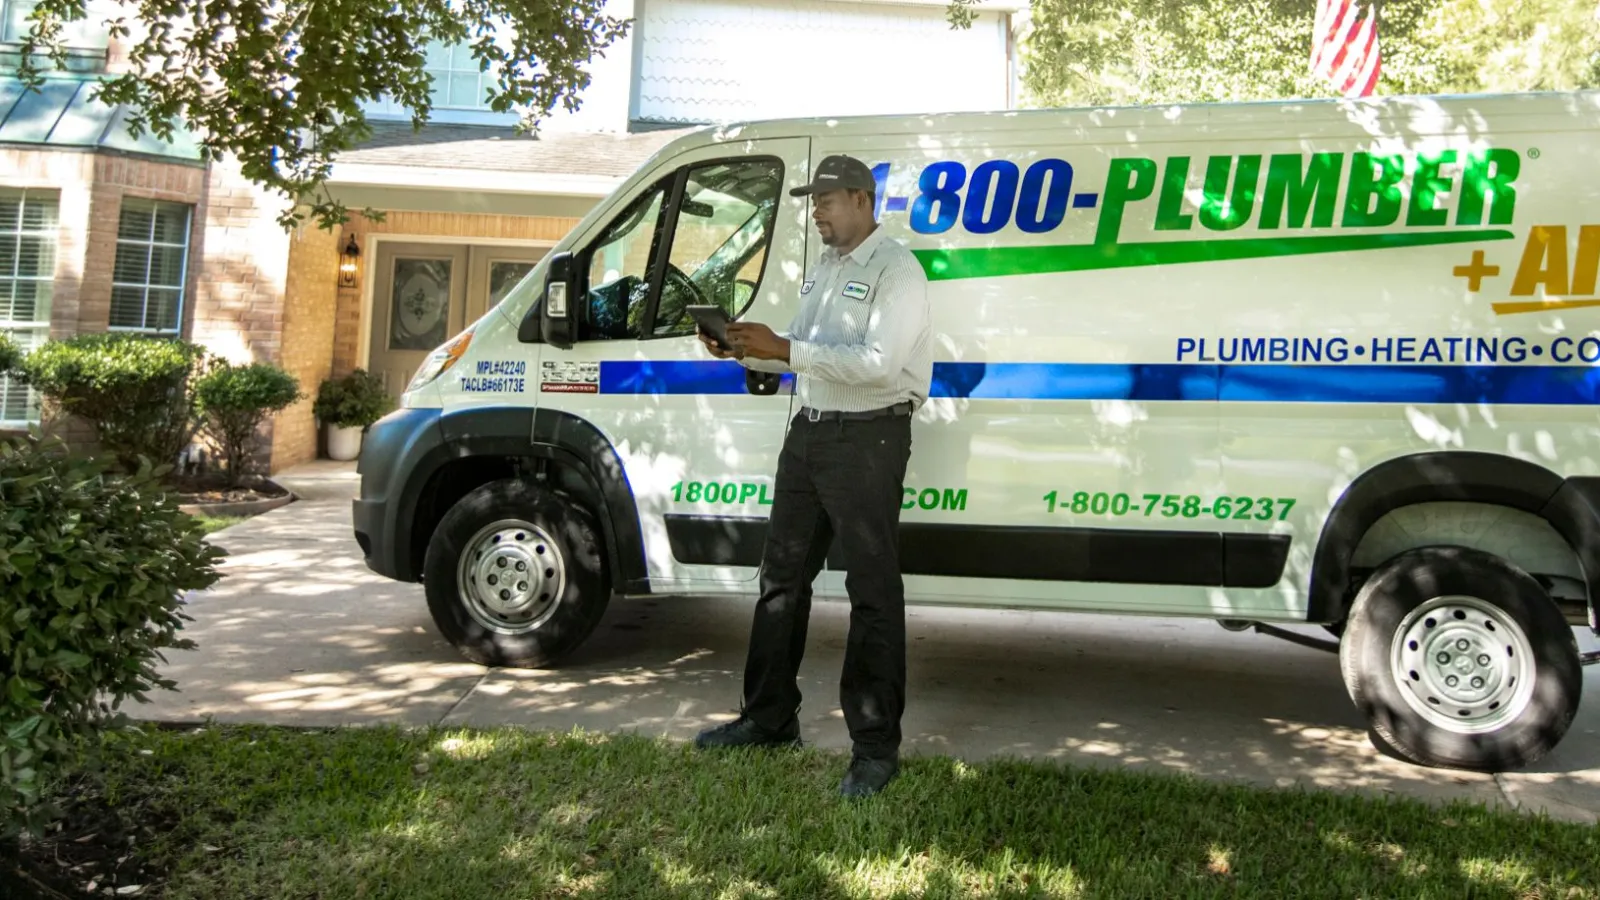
92,851
214,489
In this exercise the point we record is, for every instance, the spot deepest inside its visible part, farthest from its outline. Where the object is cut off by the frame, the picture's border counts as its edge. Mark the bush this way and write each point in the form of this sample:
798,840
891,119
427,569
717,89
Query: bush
133,389
233,402
354,401
92,567
10,355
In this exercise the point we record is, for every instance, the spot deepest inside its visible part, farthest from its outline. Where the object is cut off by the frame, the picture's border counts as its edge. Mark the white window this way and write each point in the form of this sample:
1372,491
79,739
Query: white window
459,91
457,82
152,260
28,226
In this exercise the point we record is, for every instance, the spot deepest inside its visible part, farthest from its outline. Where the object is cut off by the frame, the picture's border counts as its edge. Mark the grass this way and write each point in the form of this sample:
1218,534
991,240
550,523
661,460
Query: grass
369,813
213,524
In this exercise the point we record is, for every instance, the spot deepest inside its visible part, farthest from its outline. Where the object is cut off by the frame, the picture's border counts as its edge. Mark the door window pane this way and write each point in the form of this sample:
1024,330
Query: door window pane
419,303
619,267
719,245
504,275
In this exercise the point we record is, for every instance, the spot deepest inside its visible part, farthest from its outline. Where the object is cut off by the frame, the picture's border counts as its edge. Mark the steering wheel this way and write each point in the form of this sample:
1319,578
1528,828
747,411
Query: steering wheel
674,303
744,289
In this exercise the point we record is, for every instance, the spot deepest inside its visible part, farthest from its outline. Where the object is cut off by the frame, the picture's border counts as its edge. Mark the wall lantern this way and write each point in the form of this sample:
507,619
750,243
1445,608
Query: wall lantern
347,263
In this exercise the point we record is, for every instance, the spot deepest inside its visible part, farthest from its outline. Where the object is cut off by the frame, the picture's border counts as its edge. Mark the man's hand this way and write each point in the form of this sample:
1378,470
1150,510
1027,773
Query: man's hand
710,344
758,341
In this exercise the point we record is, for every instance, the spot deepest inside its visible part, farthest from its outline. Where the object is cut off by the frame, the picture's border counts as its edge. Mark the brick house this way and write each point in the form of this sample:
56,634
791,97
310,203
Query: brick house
100,231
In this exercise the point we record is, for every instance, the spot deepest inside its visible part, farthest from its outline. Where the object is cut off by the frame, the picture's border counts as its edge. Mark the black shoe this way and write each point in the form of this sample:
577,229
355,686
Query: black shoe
868,776
744,732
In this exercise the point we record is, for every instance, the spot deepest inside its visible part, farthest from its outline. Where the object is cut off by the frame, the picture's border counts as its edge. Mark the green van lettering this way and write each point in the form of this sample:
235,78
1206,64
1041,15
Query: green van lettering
1290,192
1477,184
1127,180
1373,197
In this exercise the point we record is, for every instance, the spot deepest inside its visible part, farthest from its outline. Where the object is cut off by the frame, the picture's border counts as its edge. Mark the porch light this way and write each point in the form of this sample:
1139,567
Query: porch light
347,263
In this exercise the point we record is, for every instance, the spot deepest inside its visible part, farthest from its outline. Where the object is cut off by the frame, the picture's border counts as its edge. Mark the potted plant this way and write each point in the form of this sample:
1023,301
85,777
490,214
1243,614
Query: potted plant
348,406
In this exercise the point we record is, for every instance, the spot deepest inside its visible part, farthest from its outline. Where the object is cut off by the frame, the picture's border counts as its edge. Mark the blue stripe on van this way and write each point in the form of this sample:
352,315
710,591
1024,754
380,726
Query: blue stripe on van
1262,383
710,376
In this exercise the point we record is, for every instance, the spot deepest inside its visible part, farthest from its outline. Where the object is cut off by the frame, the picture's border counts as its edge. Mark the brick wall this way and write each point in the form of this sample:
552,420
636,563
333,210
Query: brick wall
91,189
348,318
308,317
244,261
115,178
254,293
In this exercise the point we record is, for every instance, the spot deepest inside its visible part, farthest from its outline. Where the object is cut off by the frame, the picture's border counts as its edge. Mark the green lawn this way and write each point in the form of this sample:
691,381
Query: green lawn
358,813
213,524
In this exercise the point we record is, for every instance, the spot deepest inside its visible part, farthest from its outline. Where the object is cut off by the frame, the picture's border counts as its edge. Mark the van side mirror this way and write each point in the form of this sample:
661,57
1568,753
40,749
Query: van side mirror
550,320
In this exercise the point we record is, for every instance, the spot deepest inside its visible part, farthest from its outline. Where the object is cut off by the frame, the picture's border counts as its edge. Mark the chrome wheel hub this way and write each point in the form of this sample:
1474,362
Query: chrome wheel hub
1463,664
511,577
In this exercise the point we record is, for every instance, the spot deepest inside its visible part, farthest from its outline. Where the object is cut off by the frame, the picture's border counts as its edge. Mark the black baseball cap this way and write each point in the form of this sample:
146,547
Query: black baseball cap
839,173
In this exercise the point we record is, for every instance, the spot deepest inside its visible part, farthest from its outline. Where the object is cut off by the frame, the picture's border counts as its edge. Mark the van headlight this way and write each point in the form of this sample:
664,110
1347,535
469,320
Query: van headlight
440,360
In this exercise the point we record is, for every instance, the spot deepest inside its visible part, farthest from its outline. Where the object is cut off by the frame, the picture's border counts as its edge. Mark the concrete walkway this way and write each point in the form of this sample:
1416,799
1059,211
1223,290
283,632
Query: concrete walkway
301,633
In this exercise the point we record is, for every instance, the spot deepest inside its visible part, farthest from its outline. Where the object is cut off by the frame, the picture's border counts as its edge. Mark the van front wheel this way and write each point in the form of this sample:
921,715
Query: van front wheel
1459,659
514,575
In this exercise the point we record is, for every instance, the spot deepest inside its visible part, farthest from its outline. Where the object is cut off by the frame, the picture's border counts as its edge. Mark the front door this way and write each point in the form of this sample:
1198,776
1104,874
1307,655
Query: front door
418,303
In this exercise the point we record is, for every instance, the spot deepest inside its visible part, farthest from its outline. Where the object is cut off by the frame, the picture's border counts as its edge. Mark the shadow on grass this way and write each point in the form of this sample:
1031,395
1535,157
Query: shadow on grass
505,814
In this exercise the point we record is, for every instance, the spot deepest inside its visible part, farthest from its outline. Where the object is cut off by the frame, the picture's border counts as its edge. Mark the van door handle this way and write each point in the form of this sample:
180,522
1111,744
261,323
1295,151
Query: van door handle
764,384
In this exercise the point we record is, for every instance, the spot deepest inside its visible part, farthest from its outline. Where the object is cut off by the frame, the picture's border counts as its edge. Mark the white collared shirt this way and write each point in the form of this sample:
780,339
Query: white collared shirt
862,339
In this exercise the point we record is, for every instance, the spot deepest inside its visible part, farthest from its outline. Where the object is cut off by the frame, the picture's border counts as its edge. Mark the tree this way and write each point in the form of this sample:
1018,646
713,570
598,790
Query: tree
279,84
1106,52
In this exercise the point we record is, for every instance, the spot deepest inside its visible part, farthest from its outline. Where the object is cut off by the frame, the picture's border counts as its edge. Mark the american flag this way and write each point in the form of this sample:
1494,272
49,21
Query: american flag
1344,46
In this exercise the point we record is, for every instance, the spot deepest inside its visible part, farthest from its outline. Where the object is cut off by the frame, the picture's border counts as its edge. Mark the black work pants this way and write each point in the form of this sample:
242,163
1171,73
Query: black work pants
844,478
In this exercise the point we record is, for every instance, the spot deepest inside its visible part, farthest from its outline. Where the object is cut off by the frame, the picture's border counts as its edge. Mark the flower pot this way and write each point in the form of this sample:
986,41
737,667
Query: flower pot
344,443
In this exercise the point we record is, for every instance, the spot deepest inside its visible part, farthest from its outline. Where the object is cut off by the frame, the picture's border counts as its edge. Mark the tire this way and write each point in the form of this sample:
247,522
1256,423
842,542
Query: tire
1402,647
559,593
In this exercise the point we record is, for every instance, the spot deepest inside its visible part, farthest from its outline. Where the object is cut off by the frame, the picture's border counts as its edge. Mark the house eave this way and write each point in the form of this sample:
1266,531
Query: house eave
486,180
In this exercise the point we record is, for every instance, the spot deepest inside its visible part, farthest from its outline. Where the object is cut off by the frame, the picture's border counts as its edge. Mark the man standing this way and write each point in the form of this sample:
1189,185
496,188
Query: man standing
862,351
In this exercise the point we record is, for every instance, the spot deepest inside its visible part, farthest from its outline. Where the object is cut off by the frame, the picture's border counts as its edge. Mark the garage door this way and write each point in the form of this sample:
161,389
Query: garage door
708,61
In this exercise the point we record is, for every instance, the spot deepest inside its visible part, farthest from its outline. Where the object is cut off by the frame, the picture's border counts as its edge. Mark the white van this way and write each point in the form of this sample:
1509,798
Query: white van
1297,362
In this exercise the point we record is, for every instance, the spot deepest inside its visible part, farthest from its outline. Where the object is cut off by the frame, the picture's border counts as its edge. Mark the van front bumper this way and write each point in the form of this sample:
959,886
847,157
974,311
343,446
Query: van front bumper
394,459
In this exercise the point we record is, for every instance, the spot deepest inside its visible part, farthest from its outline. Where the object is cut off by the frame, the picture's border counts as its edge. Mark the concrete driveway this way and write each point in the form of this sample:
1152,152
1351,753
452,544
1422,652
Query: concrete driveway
301,633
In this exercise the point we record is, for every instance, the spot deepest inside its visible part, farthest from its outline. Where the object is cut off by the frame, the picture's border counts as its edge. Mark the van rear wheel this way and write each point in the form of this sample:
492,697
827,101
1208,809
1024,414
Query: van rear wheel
514,575
1459,659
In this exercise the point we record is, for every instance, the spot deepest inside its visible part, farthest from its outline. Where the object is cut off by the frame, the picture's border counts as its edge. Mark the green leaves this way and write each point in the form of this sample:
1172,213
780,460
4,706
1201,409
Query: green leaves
92,570
10,354
279,86
148,397
1112,52
234,400
356,400
133,389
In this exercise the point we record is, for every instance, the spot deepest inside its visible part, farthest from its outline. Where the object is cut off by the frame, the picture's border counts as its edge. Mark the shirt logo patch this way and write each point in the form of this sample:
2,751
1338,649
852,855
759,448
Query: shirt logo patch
855,290
805,287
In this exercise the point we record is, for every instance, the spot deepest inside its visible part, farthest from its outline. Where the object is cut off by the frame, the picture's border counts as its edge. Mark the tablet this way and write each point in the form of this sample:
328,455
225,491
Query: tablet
713,321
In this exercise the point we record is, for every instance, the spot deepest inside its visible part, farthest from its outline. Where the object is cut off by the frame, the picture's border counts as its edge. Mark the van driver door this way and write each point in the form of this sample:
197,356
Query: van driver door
698,438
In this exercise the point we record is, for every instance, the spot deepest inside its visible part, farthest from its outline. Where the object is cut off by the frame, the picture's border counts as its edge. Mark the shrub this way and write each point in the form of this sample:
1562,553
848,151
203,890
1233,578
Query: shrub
10,355
354,401
134,390
92,567
233,402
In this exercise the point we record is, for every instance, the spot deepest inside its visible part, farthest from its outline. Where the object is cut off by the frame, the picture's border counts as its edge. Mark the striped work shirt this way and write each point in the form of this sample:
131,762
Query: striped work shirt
862,339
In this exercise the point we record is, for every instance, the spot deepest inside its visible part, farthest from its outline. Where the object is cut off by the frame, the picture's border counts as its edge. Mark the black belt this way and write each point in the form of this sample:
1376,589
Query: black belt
832,415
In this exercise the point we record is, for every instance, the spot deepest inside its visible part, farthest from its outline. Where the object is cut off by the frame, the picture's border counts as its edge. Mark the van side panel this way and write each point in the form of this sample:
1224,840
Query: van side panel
1156,341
